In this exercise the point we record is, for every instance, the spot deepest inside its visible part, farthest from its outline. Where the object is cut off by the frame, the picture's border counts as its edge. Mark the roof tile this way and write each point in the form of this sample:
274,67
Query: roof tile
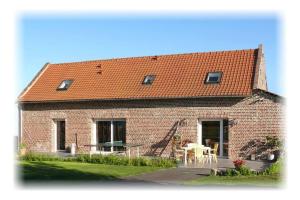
180,75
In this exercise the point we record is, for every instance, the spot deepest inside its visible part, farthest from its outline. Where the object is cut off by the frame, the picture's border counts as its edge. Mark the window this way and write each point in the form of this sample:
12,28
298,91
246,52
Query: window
148,80
213,77
105,135
65,85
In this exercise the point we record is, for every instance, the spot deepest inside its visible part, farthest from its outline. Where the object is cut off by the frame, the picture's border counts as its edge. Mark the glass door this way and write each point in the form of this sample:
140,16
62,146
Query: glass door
211,134
103,133
214,133
119,133
111,131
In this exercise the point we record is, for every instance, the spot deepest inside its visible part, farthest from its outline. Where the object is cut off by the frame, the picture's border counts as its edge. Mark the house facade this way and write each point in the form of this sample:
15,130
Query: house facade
212,97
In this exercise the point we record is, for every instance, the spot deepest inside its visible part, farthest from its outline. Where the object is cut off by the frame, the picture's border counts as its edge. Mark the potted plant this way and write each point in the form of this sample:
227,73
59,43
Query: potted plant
270,155
22,149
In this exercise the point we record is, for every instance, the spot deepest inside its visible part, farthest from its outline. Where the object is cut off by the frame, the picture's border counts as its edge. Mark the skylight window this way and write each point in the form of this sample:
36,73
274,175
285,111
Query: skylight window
65,84
148,80
213,77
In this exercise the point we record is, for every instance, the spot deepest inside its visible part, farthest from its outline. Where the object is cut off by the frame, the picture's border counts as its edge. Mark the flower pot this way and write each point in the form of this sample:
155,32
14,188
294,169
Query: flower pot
271,156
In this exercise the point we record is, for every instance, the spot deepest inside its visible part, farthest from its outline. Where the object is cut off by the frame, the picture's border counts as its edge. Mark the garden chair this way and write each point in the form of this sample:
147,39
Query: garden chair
178,152
214,152
199,154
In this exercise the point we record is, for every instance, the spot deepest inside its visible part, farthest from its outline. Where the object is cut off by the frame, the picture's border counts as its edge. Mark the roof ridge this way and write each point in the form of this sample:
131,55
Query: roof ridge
165,55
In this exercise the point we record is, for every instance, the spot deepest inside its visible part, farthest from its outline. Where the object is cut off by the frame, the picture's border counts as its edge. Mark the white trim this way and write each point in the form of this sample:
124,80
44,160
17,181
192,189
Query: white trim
221,137
54,132
94,137
54,135
199,132
109,119
112,135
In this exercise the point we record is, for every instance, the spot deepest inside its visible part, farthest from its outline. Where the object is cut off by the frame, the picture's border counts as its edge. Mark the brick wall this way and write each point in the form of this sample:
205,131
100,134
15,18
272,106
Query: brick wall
150,121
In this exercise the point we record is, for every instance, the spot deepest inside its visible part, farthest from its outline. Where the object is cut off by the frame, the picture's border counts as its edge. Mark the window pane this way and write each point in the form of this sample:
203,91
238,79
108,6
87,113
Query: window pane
119,133
64,85
213,77
210,133
148,79
103,133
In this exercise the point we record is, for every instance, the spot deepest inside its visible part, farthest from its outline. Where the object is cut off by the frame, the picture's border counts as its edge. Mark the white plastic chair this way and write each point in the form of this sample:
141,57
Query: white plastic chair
199,155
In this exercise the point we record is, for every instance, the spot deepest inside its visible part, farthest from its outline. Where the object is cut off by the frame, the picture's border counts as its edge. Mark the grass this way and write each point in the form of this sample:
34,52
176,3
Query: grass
260,180
76,171
270,177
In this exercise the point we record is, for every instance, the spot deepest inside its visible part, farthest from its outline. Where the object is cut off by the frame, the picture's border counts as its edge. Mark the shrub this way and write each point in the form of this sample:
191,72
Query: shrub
40,157
231,172
275,168
22,146
104,159
245,171
273,142
238,163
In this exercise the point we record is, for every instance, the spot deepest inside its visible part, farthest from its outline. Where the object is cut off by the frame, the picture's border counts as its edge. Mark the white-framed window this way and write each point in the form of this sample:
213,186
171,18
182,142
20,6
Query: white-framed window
108,131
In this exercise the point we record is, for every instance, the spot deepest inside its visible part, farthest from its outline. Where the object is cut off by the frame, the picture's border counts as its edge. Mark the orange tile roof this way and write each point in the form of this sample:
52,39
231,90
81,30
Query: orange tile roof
177,76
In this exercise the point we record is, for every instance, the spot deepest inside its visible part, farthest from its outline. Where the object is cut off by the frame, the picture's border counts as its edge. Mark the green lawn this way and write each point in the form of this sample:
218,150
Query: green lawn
261,180
76,171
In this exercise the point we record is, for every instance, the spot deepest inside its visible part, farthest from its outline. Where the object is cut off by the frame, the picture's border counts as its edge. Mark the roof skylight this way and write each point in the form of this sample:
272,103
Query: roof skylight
148,80
213,77
65,84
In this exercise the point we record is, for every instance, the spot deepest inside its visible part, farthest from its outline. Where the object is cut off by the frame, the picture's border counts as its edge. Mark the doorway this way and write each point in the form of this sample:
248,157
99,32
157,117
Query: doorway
60,135
214,131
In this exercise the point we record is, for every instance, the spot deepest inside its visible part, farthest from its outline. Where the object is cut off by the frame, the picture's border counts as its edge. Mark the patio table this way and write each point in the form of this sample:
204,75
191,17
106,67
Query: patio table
120,144
186,149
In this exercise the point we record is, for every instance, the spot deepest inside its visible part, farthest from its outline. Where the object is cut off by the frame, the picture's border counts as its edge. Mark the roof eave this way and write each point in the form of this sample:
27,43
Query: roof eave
134,99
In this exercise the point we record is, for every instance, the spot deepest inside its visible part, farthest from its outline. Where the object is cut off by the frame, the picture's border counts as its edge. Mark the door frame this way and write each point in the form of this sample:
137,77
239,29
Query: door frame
221,134
54,134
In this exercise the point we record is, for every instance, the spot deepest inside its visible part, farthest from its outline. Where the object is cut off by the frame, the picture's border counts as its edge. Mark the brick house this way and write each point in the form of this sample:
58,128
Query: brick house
220,96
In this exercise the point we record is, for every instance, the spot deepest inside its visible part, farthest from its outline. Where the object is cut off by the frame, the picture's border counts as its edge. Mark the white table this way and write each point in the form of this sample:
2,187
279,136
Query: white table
186,149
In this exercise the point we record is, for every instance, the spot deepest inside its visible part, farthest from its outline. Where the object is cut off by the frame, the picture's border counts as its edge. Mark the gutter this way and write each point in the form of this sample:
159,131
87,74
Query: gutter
132,99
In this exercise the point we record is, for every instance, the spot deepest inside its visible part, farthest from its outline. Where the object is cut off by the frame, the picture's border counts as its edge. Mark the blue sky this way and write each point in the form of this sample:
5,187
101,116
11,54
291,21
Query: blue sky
57,39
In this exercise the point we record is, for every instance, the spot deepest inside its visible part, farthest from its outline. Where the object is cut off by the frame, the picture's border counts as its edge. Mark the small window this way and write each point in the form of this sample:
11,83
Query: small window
65,85
213,77
148,80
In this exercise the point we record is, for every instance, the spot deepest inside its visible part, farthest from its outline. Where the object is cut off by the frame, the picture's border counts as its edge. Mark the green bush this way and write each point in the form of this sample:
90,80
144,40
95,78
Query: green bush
241,171
40,157
231,172
104,159
275,168
245,171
